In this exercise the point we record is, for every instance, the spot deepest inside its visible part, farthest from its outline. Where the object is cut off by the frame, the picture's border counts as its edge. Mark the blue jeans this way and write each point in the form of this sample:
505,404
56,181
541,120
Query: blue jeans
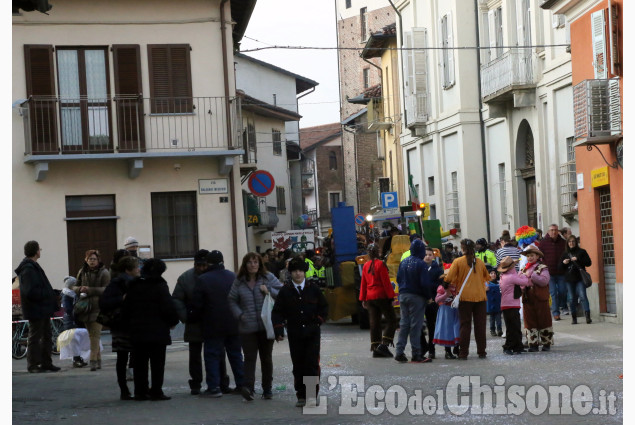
213,355
558,292
412,308
495,322
577,290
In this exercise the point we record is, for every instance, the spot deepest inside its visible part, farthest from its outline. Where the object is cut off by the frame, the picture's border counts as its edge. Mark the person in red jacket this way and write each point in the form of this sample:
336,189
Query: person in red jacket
377,294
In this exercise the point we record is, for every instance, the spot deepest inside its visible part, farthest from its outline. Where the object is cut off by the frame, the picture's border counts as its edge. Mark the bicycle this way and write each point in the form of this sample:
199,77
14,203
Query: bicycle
20,330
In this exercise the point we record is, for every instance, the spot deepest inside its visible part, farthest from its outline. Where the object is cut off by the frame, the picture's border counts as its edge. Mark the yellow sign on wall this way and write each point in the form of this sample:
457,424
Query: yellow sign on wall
600,177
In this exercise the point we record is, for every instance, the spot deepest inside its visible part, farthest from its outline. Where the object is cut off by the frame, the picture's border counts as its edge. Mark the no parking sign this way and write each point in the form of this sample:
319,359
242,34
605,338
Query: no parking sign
261,183
360,220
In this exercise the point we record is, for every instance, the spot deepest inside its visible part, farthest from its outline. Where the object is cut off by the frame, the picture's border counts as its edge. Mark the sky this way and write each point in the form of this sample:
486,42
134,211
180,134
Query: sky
300,23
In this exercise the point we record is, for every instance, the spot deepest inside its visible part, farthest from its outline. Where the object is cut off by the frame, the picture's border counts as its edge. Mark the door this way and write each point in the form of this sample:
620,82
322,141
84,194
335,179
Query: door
90,234
532,205
84,102
608,250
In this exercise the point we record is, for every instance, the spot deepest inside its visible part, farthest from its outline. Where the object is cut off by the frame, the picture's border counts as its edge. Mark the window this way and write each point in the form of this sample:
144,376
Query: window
363,23
174,224
568,180
83,93
334,199
348,4
170,78
332,160
433,212
447,54
452,203
430,186
495,23
366,77
277,144
281,201
502,187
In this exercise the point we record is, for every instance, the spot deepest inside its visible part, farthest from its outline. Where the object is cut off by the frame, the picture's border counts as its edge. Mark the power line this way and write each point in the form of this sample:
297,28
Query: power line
256,49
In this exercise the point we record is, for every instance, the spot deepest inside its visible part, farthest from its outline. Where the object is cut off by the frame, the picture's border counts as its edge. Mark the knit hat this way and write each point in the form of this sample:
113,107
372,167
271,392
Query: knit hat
69,281
130,242
215,257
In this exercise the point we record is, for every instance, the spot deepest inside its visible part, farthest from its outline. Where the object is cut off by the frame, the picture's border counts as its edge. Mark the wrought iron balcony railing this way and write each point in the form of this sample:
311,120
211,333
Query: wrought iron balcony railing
514,68
128,124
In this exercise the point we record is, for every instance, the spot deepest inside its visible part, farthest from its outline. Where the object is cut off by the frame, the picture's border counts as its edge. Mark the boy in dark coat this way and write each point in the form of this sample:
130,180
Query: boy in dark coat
494,303
302,307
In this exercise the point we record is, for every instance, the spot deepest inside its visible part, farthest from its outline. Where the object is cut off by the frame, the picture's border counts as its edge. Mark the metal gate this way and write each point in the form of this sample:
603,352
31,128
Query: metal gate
608,249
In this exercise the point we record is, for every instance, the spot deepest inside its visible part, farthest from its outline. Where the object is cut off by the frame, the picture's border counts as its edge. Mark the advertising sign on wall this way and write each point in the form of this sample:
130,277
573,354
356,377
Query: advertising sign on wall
284,240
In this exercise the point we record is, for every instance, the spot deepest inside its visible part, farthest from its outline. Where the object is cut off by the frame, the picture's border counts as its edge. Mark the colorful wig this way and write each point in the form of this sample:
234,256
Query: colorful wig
526,235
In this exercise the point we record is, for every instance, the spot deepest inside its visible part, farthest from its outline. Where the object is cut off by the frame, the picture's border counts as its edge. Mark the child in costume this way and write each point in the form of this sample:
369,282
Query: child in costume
494,303
446,331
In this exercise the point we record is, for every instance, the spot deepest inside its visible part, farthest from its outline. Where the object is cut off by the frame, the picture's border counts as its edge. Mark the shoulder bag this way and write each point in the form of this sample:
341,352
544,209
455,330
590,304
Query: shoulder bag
455,301
584,275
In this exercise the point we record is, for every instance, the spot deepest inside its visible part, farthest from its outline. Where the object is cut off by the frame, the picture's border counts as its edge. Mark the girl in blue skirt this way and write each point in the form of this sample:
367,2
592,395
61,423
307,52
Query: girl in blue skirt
446,332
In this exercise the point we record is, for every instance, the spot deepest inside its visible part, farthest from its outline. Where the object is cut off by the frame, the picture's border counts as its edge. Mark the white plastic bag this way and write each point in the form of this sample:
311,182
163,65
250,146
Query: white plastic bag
265,315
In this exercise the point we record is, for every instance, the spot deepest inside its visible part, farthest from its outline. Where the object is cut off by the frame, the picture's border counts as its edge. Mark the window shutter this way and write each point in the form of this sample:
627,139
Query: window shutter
599,44
129,97
441,55
520,24
420,71
450,52
407,75
40,82
170,78
491,24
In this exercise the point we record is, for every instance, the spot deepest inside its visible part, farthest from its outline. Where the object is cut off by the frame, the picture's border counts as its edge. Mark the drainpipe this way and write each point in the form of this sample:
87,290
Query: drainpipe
403,89
480,118
223,34
354,133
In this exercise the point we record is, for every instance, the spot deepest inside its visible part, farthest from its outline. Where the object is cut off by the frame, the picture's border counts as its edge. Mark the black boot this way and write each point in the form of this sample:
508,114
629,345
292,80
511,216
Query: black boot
125,392
448,353
574,319
587,314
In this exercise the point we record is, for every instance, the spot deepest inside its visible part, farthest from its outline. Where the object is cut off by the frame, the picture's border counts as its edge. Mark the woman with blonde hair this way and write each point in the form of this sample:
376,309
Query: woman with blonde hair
253,282
92,279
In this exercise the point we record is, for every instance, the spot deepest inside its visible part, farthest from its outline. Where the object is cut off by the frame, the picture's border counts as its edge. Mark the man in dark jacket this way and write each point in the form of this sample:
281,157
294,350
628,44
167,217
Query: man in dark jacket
193,335
552,246
415,289
220,327
302,307
149,312
39,302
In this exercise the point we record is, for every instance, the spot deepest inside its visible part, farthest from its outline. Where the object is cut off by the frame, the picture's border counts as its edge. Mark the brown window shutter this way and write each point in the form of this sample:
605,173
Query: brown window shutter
128,91
40,87
170,78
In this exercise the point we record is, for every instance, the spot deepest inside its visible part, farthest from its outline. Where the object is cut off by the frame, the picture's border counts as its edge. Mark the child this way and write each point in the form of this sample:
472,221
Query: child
494,303
68,301
510,287
302,308
446,331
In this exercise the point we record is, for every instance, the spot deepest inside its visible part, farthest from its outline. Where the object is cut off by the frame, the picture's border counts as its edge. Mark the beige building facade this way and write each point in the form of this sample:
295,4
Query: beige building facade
124,124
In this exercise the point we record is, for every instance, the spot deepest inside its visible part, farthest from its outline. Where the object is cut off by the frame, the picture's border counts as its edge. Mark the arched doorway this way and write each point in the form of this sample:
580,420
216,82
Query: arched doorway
526,168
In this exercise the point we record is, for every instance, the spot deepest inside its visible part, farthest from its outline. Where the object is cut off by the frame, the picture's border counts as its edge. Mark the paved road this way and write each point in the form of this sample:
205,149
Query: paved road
588,355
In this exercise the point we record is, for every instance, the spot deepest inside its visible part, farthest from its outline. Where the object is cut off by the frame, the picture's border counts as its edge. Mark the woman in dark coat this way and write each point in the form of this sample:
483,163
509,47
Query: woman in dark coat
125,270
149,313
573,259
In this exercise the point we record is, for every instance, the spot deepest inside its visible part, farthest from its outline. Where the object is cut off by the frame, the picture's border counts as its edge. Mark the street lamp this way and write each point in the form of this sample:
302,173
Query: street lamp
369,220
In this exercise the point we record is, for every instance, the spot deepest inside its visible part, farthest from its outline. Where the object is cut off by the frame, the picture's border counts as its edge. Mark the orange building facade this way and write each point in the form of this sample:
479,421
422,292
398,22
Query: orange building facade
596,59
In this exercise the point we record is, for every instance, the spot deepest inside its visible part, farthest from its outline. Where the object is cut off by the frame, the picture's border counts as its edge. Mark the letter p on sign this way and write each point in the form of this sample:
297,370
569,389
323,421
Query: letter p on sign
389,200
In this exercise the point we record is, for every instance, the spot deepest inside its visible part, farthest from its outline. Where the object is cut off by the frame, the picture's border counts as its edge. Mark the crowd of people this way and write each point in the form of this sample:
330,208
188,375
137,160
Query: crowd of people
238,317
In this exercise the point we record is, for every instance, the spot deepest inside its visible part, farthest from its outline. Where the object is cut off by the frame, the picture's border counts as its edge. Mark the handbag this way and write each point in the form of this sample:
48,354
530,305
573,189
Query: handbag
265,315
82,308
111,319
584,275
455,301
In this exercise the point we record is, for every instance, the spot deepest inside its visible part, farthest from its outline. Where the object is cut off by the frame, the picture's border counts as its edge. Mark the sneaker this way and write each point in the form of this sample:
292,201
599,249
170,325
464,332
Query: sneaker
492,332
300,403
78,363
417,358
449,355
482,356
129,374
565,312
431,355
382,351
499,333
546,347
508,352
556,317
215,393
267,394
247,394
401,358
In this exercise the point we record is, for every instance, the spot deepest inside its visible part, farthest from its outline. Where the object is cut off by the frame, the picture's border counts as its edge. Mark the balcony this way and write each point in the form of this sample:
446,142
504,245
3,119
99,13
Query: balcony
308,168
128,127
597,111
417,112
268,219
312,217
308,184
510,76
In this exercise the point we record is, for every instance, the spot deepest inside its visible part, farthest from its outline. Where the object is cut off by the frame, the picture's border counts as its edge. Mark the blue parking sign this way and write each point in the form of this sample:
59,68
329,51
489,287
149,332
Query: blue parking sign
389,200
